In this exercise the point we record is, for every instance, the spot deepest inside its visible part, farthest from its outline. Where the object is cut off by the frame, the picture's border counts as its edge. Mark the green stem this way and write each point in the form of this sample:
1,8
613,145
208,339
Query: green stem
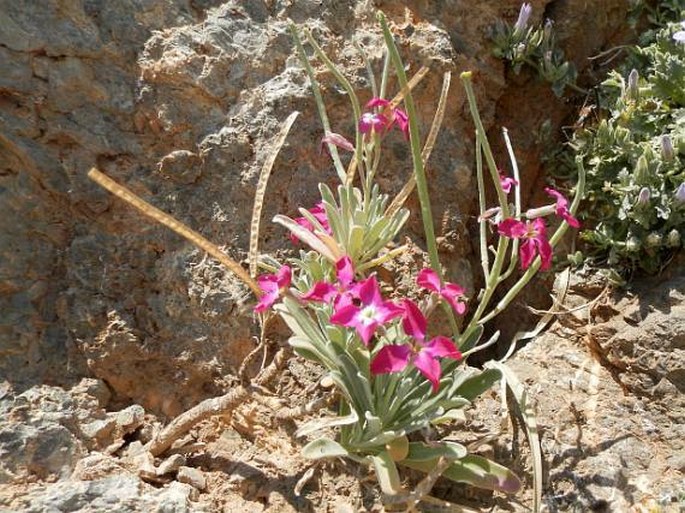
480,130
484,258
348,88
517,204
333,150
417,160
554,240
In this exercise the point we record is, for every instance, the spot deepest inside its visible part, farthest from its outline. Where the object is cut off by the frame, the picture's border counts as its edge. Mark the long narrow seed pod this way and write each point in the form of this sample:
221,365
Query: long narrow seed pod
163,218
261,190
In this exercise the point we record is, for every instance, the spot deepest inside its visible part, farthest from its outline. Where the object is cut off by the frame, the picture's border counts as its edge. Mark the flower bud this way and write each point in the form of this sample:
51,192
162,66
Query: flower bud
643,196
633,244
667,151
520,51
641,170
633,90
673,239
653,240
547,30
524,16
680,193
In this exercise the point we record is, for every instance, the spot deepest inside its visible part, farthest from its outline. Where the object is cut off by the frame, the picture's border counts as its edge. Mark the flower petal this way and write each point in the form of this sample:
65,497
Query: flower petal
527,253
429,367
369,292
266,301
344,271
377,102
428,279
365,328
413,321
321,291
452,293
344,314
443,347
392,358
283,276
512,228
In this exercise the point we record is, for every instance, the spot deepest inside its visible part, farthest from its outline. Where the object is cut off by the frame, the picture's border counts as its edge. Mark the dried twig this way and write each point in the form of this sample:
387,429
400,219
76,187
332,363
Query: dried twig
223,405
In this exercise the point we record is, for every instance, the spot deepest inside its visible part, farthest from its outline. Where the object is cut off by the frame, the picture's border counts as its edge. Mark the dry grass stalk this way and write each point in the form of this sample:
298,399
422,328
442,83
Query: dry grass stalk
261,190
178,227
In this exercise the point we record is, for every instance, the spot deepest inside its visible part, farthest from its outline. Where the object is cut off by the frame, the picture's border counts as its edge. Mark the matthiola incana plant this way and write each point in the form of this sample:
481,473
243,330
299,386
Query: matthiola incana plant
394,379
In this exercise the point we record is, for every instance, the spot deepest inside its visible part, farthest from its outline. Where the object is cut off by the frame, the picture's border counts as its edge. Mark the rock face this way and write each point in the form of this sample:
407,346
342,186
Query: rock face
180,101
611,402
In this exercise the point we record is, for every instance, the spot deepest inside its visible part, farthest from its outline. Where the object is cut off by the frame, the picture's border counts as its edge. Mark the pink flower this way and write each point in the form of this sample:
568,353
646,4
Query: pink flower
366,314
336,140
507,182
325,292
370,122
273,285
402,121
534,235
450,292
385,119
319,214
562,207
424,356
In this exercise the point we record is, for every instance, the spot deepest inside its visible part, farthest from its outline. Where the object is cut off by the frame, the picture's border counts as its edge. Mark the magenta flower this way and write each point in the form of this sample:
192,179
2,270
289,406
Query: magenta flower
450,292
325,292
371,122
273,285
424,356
562,207
319,214
383,121
366,314
402,121
507,182
534,240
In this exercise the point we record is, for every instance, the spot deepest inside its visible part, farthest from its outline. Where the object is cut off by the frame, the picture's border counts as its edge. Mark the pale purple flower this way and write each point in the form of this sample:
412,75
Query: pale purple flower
680,193
370,312
643,196
667,150
272,285
524,16
384,120
371,122
680,35
336,140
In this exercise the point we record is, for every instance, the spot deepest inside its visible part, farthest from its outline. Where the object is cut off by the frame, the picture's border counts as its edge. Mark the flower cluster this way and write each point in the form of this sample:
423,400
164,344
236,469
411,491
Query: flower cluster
360,306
